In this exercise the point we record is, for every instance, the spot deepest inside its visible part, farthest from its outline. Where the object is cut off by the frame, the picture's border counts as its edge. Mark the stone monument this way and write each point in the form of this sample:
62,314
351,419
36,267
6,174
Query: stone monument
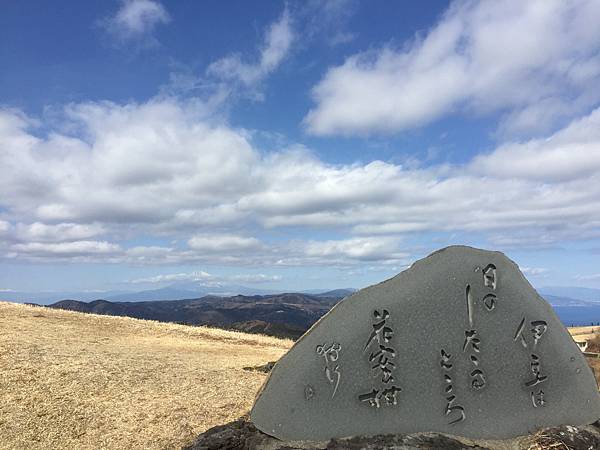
460,343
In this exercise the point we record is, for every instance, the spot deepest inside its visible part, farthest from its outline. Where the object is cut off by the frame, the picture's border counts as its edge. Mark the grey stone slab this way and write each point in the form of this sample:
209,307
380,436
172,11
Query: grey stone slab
460,343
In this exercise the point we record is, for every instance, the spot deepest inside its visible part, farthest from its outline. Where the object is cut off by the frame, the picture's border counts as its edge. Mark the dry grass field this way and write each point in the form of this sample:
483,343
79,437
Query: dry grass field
72,380
575,331
585,332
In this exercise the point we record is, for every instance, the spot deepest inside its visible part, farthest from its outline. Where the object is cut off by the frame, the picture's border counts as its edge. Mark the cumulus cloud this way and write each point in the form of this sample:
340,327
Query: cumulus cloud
222,243
534,271
592,277
570,154
136,19
109,172
254,278
205,278
4,226
277,44
128,162
364,249
38,231
171,277
536,62
64,249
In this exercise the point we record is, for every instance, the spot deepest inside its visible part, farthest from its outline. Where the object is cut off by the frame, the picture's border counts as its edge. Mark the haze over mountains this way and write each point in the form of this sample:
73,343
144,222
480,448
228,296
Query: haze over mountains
175,291
282,314
580,294
258,310
555,295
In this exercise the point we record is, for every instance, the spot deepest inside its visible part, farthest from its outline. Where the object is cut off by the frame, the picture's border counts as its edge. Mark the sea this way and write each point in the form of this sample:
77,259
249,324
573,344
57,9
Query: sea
578,316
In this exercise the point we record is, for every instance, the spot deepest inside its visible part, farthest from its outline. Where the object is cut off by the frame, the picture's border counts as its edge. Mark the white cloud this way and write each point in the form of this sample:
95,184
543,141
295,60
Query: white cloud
534,271
278,41
326,20
136,19
254,278
364,249
570,154
536,61
171,277
138,163
592,277
236,75
38,231
221,243
206,278
4,226
65,249
165,169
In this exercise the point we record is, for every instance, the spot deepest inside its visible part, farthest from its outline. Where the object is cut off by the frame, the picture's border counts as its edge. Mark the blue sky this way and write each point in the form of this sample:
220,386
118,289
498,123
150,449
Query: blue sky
295,145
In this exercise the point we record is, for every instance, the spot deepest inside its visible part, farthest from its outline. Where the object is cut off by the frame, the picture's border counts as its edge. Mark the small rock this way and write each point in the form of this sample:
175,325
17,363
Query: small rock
266,368
243,435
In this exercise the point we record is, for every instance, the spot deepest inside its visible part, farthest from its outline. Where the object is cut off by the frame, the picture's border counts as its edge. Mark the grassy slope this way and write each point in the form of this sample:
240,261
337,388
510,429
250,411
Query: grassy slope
72,380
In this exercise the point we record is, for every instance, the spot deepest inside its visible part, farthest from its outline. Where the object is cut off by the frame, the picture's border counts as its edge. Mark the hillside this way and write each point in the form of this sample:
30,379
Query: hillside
281,315
72,380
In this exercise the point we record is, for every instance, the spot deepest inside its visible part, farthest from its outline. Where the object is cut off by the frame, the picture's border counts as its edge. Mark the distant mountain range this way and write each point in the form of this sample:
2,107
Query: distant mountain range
555,295
283,315
257,310
176,291
555,300
185,291
44,298
576,293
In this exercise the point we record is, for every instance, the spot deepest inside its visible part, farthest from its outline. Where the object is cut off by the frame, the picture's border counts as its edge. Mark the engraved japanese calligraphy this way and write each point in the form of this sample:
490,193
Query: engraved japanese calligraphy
535,332
459,343
472,345
382,355
454,410
331,354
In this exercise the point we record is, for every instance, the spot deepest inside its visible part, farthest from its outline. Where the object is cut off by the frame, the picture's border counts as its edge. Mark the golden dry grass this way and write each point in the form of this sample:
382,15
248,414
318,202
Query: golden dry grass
595,365
592,335
594,342
583,330
72,380
584,333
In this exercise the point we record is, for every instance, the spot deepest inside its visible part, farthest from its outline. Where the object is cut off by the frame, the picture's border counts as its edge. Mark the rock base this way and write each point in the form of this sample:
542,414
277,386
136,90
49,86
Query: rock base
243,435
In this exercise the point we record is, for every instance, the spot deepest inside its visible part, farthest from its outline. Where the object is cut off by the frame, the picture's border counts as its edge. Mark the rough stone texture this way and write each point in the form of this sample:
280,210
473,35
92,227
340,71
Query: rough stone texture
242,435
458,344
